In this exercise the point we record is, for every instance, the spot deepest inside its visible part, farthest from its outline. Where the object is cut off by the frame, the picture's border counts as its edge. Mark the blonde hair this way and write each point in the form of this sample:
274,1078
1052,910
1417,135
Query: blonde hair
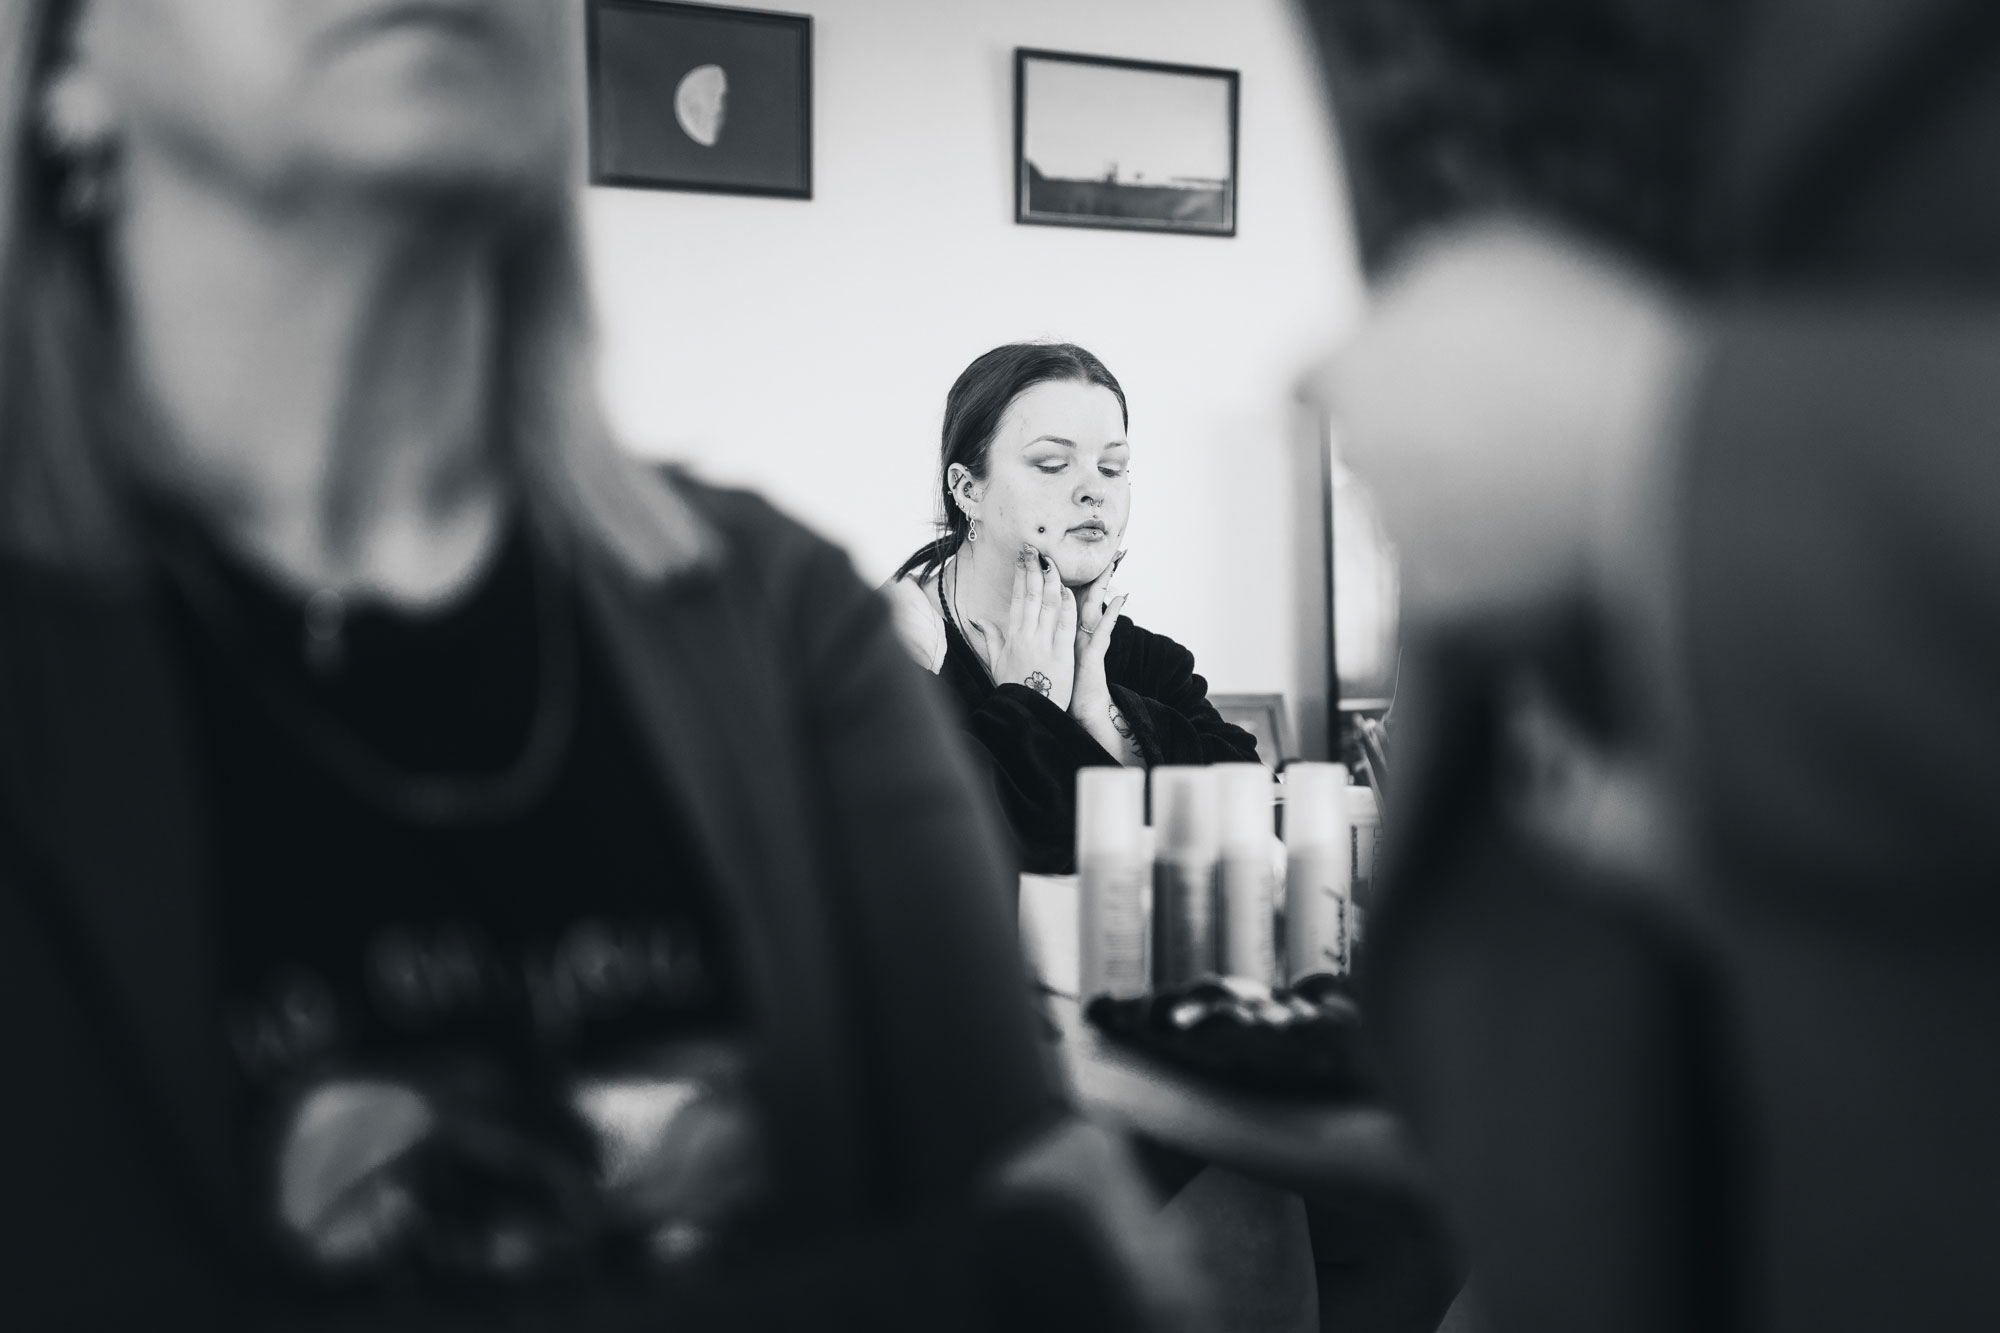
62,417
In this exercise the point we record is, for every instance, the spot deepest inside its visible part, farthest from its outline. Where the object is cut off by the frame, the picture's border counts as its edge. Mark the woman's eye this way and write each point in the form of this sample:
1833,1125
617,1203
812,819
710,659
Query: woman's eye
1051,466
1116,470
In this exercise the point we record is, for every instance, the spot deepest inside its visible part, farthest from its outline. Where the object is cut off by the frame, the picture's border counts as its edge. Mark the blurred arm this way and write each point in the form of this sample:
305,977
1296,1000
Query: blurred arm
931,888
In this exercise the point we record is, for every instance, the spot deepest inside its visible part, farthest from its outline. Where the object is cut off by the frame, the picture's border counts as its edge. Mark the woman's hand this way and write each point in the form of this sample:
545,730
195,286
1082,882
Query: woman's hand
1090,702
1038,647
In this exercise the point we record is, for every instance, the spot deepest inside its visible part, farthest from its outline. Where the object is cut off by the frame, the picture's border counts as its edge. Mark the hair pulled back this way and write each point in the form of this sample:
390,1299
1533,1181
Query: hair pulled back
972,411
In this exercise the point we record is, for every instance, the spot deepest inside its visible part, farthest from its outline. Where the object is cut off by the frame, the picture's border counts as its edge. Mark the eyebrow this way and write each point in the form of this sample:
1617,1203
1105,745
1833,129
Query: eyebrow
1071,444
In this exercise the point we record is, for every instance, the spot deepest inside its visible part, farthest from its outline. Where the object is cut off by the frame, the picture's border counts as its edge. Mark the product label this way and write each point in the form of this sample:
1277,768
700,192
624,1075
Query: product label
1319,912
1245,947
1183,921
1111,904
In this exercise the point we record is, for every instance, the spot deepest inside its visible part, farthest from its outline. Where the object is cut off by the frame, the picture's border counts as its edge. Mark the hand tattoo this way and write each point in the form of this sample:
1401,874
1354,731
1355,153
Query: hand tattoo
1038,682
1119,724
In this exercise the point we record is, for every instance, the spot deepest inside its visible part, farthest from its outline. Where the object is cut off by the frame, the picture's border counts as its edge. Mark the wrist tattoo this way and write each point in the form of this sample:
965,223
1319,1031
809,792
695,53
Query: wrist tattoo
1119,724
1039,683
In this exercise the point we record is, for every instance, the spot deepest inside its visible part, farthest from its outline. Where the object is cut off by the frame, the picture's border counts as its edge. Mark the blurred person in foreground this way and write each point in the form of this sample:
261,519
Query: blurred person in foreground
449,873
1679,389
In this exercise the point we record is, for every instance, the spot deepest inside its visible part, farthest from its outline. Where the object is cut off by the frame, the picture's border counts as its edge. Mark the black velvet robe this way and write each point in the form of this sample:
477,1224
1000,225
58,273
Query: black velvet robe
1033,748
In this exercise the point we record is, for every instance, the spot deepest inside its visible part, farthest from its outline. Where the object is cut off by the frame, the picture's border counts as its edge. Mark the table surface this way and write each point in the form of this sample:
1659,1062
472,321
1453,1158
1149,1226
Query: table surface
1301,1143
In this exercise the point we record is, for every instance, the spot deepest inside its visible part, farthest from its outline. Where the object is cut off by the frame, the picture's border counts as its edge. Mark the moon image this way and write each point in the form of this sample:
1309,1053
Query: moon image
700,103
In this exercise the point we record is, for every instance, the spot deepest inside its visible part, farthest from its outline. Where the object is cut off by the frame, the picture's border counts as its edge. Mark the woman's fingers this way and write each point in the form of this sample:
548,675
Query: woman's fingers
1053,592
1099,640
1094,597
1022,610
1065,618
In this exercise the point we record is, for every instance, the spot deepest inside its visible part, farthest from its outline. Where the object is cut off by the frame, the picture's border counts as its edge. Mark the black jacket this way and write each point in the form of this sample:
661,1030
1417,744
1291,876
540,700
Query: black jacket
866,878
1033,748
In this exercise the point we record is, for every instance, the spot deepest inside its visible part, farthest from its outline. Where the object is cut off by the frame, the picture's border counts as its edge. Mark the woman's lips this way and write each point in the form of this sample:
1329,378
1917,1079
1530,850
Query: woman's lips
458,17
1091,531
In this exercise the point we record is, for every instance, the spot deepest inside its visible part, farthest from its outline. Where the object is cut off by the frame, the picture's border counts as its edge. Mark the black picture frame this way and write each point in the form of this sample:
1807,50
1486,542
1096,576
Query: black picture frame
747,130
1179,204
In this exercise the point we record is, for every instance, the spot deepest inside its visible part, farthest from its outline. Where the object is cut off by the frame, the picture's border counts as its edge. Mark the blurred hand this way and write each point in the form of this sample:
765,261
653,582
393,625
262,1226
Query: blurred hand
1505,401
1038,646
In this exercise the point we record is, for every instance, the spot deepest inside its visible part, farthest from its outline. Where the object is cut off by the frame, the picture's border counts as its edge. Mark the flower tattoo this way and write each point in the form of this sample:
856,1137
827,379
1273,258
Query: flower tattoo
1039,683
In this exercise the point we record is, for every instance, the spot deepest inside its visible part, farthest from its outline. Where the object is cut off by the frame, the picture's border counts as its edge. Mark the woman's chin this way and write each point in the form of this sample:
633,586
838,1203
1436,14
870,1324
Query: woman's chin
1079,569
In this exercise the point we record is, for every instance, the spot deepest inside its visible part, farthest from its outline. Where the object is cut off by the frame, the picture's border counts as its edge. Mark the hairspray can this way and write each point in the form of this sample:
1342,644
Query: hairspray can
1319,902
1246,878
1183,874
1113,868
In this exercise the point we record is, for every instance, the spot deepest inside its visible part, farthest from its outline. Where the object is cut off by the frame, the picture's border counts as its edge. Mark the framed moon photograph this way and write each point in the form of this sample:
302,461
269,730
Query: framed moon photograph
1128,144
699,97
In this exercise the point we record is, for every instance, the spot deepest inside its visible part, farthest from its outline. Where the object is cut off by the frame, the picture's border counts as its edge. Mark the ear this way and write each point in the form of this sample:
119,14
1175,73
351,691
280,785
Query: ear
965,487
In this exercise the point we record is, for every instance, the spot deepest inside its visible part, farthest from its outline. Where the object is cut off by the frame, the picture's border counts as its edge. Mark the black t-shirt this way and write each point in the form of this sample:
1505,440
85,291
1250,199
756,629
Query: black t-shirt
492,1032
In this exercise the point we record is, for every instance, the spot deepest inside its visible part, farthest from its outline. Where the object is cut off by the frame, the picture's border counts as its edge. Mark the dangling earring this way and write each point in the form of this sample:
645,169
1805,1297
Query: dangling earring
79,131
89,189
971,528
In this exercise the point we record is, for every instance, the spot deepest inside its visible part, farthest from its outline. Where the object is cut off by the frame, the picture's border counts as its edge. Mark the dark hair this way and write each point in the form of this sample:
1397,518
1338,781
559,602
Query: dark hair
1599,115
972,412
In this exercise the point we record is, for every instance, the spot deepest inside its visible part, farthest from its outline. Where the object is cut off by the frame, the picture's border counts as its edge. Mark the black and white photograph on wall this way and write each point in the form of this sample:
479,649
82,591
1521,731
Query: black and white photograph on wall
698,97
1127,144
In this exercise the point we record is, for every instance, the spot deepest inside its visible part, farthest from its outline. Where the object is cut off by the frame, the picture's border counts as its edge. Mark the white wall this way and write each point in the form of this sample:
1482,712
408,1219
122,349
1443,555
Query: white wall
804,347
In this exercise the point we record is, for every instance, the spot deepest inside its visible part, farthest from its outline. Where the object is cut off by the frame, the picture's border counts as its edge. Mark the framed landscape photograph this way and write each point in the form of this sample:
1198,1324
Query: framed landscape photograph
698,97
1128,144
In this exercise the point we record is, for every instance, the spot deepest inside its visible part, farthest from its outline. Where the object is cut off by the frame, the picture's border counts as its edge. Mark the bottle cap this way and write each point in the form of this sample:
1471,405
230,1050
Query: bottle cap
1110,812
1184,814
1316,805
1245,797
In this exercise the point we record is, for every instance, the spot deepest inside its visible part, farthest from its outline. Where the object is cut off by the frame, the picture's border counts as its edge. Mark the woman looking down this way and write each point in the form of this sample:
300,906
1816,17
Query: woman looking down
1012,606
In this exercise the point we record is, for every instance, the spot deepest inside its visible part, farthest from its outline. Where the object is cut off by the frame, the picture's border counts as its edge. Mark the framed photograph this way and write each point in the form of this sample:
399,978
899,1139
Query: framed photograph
697,97
1263,716
1124,143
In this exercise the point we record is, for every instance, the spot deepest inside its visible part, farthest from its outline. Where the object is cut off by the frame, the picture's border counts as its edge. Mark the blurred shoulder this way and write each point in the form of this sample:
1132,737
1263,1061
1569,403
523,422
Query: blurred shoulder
754,546
745,521
919,623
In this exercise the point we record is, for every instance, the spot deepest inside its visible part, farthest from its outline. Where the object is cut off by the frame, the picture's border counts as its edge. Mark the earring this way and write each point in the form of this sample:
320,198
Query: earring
79,130
971,528
89,189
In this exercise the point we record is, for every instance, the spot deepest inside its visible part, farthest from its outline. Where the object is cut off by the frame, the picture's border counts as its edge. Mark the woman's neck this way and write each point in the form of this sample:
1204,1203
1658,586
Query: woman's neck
981,583
319,380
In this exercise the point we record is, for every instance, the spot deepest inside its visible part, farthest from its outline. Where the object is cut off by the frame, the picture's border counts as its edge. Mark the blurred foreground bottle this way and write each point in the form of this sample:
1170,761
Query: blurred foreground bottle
1113,864
1184,865
1247,879
1319,862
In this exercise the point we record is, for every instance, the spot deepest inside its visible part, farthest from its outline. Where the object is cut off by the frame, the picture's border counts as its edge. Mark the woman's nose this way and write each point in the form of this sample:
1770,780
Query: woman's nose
1090,493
